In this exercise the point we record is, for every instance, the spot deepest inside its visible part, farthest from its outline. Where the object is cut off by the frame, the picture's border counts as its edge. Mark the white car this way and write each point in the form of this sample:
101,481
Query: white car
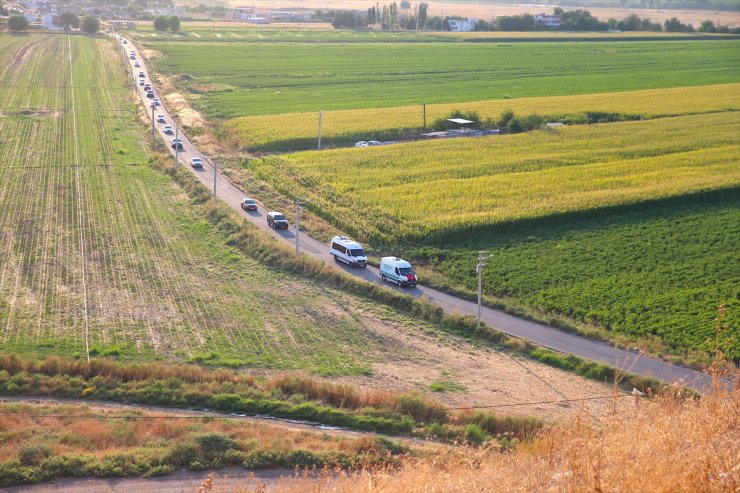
167,129
155,102
137,64
362,143
374,143
196,162
160,119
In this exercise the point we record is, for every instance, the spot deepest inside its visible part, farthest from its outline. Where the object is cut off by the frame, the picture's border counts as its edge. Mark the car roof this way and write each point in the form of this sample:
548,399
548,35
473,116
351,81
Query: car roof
248,198
346,242
272,213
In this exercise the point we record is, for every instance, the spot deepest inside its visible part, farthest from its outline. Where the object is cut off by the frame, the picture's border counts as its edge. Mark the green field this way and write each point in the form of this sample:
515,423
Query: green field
160,282
243,76
540,201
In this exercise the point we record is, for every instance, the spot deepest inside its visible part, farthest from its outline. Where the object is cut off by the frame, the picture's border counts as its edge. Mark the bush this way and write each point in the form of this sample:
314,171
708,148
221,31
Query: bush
474,435
213,446
33,455
174,23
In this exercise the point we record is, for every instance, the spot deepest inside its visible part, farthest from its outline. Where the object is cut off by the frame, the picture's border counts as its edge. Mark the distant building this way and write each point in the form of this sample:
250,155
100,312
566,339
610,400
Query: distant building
118,24
50,21
549,21
462,25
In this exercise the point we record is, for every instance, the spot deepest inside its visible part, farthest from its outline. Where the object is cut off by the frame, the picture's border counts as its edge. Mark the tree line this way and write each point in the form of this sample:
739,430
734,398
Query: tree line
402,17
66,20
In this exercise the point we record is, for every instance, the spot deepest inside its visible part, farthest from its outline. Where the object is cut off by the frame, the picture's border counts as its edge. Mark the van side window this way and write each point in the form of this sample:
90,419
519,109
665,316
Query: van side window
397,271
339,248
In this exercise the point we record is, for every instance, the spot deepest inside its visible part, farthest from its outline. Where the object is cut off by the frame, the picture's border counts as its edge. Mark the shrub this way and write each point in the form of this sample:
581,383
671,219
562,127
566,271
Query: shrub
474,435
213,446
33,455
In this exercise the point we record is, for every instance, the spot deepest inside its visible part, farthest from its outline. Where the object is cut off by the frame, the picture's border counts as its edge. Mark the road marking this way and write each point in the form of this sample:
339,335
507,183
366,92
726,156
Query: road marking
79,200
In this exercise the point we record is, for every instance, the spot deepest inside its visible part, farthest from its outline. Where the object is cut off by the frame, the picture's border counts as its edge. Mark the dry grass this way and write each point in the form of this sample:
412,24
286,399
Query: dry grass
662,444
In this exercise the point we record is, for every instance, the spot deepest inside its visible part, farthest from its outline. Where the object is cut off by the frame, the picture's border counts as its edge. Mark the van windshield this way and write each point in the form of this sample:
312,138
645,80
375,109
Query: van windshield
405,270
357,252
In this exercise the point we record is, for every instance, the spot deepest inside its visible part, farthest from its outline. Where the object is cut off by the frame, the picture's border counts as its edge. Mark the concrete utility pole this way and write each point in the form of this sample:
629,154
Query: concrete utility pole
479,270
321,113
297,224
215,174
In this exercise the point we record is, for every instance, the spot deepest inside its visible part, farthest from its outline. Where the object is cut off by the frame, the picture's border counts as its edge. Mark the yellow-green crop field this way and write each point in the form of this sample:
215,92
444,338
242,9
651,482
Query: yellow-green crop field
433,187
294,131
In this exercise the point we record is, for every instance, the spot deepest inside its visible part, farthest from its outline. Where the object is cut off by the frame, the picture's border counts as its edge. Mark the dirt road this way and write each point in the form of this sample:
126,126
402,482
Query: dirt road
540,334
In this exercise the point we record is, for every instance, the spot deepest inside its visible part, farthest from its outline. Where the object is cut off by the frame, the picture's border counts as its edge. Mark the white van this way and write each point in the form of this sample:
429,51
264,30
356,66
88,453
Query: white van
348,251
398,271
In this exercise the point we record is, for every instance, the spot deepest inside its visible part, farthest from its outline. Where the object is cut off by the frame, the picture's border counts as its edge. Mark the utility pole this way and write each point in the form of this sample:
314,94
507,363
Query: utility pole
321,113
215,174
177,145
297,224
479,271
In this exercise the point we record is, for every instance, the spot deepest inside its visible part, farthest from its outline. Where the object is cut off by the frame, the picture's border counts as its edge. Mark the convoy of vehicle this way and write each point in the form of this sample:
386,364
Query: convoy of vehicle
348,251
398,271
249,204
343,249
276,220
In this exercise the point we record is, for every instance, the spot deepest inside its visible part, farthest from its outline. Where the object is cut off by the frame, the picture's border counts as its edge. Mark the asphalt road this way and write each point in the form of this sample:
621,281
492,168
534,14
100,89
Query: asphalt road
537,333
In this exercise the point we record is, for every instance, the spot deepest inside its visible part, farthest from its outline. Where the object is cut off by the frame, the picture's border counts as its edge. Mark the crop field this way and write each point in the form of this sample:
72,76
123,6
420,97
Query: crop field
527,196
298,131
243,77
440,188
93,240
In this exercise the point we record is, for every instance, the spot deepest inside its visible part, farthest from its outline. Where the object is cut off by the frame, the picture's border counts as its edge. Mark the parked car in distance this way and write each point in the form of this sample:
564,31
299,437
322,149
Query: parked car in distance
132,57
142,82
196,162
348,251
142,74
249,204
160,119
398,271
125,42
362,143
147,87
276,220
137,64
374,143
176,144
150,94
167,129
155,101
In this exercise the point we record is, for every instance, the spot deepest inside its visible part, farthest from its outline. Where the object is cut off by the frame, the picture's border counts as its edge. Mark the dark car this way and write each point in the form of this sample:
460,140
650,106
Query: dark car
150,94
249,204
276,220
177,144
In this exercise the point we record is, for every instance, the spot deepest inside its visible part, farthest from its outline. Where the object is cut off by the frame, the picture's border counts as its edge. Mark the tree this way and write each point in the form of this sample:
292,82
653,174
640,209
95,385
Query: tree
17,23
707,27
90,24
174,23
68,19
161,23
421,21
405,4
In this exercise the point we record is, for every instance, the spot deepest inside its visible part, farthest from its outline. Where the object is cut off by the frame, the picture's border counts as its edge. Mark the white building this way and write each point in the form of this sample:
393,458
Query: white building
462,25
549,21
48,21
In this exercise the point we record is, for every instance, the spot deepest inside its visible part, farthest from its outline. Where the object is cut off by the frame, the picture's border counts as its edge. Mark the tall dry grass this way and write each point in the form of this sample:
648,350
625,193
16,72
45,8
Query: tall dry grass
667,443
